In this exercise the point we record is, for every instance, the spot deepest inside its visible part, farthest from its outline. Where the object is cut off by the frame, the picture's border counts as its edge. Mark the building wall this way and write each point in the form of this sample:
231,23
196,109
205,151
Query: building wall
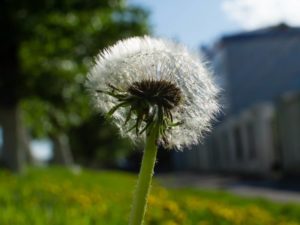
260,69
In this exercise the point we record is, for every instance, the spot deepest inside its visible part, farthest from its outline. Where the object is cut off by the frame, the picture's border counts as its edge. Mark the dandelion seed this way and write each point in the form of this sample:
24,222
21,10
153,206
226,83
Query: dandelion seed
144,83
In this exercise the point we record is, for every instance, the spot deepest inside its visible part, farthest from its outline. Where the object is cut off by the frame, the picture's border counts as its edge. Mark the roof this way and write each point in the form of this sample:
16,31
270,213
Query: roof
278,30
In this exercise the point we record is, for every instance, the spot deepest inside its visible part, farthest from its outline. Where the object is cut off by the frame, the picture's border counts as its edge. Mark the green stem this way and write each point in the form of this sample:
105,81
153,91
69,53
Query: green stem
144,180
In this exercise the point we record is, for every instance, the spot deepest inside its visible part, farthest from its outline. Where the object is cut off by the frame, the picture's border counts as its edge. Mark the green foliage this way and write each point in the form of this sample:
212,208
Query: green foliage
48,47
59,197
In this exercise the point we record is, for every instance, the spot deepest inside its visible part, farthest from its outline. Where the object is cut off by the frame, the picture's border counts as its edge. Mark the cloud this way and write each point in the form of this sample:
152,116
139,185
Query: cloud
252,14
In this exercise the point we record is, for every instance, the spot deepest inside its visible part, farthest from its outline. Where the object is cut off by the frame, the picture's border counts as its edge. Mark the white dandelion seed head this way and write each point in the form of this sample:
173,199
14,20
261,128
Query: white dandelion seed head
146,58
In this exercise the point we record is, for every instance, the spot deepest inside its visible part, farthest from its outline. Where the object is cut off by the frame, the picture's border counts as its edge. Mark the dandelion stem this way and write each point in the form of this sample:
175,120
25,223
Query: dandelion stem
144,180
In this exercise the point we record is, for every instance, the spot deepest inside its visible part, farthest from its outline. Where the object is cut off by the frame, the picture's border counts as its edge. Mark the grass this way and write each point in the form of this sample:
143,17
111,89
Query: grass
57,196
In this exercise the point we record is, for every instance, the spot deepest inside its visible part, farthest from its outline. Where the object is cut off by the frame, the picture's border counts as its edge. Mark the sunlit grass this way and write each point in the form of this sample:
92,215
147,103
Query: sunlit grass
58,196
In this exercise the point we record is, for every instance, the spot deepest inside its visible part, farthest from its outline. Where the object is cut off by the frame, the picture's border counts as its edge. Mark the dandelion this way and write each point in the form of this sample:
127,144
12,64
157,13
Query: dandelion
153,90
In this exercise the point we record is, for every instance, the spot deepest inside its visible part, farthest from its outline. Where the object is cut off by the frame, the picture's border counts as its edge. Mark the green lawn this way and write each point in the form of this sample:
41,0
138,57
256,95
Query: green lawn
57,196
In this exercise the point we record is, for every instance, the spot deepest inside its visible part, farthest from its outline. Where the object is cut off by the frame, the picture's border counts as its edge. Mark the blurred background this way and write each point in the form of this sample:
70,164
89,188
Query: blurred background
253,49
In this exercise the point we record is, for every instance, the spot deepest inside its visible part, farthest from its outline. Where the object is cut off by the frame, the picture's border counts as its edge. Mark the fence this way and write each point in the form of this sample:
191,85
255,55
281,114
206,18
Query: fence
262,140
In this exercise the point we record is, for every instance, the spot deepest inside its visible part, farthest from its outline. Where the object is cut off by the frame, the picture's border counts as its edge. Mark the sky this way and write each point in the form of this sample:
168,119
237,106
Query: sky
202,22
41,149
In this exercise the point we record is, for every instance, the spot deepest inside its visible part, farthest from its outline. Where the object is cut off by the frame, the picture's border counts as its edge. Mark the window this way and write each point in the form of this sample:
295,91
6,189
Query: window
251,141
238,143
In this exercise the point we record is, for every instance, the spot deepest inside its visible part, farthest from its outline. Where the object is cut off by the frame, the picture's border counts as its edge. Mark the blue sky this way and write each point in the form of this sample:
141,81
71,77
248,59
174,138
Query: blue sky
192,22
197,22
41,149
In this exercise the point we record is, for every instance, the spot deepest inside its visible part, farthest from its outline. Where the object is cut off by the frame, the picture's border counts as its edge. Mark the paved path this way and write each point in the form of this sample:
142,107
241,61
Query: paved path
272,190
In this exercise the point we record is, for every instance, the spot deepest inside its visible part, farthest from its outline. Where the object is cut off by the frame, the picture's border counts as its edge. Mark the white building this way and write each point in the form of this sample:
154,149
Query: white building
260,131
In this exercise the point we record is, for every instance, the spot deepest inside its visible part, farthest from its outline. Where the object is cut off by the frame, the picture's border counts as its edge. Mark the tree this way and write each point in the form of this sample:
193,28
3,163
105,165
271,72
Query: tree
45,51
